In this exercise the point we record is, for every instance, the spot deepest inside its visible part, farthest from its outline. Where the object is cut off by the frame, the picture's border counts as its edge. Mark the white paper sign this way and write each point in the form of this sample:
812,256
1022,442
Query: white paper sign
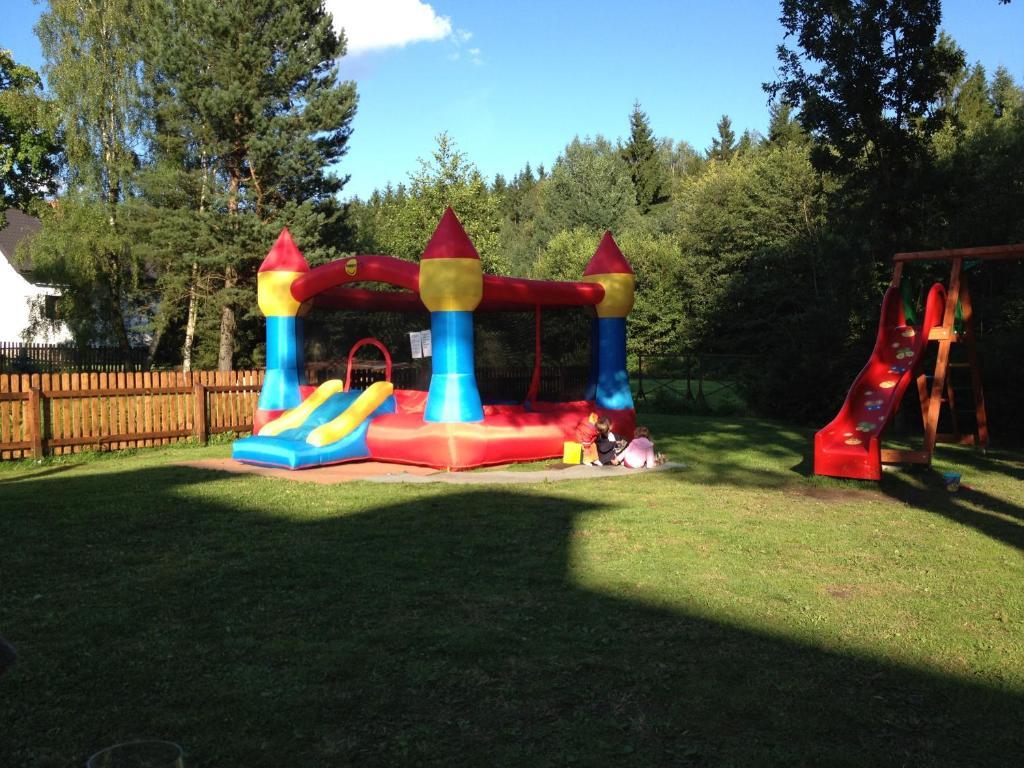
416,343
426,343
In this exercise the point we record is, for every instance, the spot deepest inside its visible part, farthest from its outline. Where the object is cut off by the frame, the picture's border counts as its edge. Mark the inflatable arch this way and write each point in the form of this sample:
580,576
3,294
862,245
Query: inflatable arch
448,426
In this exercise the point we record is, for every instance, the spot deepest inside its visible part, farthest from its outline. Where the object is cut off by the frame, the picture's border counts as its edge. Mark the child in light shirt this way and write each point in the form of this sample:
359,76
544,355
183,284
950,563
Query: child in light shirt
639,454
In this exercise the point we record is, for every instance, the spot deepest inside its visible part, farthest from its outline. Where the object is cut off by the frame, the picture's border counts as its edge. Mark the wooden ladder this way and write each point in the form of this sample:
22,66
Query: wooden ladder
937,389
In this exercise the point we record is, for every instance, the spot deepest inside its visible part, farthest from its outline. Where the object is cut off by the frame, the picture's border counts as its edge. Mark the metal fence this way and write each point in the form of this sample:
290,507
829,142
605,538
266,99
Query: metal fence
497,384
16,357
693,380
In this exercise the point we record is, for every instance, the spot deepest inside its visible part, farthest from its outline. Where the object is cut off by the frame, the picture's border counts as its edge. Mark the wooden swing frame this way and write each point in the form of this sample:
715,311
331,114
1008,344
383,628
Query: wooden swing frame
941,390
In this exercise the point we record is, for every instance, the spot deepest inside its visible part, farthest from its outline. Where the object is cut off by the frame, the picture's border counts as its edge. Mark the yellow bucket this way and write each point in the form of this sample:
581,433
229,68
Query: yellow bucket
571,453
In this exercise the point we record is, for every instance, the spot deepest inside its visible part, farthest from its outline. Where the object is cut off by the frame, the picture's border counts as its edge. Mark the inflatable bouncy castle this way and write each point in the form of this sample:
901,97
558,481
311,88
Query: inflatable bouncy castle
448,426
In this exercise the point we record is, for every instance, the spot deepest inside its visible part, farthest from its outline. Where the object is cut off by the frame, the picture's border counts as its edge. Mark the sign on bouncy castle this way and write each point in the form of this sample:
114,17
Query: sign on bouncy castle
448,426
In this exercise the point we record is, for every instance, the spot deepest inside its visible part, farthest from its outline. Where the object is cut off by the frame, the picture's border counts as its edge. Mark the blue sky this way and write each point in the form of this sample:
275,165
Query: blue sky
513,82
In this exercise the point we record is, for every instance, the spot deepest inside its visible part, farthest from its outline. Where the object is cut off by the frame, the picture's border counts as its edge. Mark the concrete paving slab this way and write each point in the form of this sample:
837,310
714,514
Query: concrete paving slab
335,473
382,472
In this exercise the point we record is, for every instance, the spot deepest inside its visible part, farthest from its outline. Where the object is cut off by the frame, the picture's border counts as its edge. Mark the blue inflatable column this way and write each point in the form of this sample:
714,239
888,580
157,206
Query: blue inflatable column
286,369
285,364
609,382
613,390
451,286
453,395
595,357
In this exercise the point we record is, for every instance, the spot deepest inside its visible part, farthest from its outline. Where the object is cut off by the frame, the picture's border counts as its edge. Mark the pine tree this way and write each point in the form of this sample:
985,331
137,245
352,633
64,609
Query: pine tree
645,168
972,106
1007,96
514,202
783,127
723,146
519,207
748,140
252,94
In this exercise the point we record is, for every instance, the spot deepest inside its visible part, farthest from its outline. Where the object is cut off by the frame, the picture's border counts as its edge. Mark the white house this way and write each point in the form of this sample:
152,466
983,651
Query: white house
24,303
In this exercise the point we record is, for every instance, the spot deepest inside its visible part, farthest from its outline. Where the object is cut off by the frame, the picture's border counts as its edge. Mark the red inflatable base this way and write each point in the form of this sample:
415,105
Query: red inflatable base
507,434
262,417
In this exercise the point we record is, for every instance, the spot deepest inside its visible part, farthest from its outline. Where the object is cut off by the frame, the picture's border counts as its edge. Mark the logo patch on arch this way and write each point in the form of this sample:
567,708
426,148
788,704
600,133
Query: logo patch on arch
350,267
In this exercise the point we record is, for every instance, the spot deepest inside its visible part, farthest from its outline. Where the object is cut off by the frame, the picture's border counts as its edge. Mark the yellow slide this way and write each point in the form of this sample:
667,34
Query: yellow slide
354,415
297,416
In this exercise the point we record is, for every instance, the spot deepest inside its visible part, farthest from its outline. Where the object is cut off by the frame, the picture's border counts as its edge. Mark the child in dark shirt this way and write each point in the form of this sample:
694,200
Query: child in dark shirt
608,447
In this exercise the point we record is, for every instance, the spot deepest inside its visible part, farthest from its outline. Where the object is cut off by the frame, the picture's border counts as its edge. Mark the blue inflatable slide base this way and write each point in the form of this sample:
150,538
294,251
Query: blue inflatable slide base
290,450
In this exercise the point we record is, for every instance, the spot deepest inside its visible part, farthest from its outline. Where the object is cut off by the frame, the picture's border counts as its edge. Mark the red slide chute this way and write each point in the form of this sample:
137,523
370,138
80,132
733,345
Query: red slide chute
849,445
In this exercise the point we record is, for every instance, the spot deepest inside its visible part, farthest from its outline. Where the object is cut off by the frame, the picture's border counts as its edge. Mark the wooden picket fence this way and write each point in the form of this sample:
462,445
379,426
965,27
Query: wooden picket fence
57,413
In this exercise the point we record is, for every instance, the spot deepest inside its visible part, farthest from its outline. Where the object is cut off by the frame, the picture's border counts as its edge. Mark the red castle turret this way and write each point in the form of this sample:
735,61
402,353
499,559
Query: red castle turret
282,267
449,240
284,256
609,268
450,275
608,259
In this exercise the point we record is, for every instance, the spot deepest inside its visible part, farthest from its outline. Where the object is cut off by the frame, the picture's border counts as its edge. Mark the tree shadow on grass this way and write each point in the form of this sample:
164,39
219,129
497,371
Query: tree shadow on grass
924,488
995,517
997,461
749,453
19,477
427,627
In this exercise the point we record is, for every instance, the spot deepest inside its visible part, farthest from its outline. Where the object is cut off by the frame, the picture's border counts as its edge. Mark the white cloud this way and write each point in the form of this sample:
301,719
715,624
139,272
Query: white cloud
388,23
458,40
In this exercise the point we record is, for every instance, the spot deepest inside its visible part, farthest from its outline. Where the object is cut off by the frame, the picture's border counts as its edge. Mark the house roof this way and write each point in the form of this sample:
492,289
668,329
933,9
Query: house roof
19,226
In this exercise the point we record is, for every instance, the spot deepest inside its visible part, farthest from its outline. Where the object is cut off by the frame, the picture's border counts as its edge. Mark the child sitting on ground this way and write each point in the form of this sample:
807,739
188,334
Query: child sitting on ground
640,453
586,434
608,446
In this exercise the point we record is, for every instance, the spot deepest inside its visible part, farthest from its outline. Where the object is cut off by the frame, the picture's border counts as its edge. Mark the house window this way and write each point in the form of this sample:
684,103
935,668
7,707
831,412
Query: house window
50,307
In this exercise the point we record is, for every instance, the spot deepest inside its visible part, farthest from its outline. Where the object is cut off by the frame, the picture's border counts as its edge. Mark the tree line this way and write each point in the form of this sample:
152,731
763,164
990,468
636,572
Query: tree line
186,133
882,137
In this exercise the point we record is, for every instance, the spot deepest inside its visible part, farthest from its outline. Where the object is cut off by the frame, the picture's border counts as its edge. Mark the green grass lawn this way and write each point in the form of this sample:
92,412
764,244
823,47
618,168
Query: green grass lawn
733,613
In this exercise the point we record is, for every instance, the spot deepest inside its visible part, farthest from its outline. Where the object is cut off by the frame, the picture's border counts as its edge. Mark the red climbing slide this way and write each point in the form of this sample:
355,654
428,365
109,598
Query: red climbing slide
849,445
